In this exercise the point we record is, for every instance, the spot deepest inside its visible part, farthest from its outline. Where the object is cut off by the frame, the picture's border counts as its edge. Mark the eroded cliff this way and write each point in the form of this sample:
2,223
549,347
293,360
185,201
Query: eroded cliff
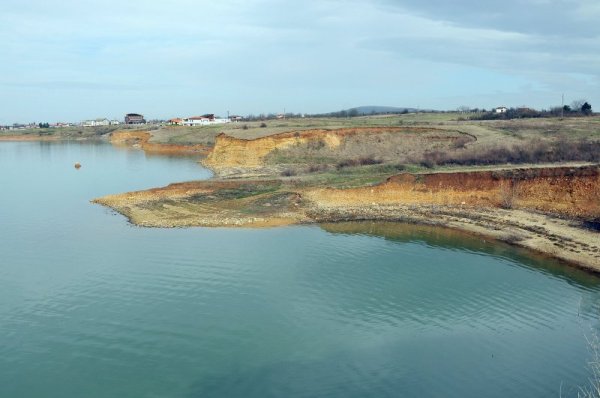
231,153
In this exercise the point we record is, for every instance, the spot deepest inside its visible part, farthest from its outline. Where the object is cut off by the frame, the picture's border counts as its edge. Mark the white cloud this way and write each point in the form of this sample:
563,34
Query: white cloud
315,55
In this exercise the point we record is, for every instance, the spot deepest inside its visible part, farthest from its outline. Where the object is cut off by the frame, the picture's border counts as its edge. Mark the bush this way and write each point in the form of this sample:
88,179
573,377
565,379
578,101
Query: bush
535,152
347,163
315,168
288,173
263,125
367,160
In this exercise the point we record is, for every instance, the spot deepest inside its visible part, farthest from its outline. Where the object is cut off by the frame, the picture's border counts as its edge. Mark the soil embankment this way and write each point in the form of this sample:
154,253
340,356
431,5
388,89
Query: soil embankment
232,155
563,191
142,140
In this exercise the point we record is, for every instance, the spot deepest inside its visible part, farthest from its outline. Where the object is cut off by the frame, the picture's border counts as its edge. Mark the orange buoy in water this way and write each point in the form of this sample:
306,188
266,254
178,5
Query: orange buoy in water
77,165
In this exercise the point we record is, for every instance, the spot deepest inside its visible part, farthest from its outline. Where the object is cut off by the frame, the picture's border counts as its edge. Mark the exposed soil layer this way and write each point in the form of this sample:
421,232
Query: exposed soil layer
230,154
142,139
543,209
565,191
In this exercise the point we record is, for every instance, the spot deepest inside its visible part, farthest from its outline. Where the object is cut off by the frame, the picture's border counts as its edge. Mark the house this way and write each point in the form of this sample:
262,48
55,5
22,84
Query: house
203,120
134,118
235,118
501,109
95,122
196,121
176,121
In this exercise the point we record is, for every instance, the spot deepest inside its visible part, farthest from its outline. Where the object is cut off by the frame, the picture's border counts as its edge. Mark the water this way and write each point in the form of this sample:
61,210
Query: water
91,306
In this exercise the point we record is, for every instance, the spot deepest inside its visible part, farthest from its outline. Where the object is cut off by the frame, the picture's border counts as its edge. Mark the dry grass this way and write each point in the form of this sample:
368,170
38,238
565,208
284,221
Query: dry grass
391,147
593,389
534,151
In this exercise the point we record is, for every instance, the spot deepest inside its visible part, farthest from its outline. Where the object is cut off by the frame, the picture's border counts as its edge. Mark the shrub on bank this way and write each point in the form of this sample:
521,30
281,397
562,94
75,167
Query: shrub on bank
537,152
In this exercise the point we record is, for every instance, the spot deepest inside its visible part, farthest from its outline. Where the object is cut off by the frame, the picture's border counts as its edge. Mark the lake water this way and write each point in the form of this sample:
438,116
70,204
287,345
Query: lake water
91,306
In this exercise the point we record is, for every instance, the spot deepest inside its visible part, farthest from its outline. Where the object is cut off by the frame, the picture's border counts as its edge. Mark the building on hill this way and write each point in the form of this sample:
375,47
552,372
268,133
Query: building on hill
134,118
203,120
501,109
176,121
96,122
196,121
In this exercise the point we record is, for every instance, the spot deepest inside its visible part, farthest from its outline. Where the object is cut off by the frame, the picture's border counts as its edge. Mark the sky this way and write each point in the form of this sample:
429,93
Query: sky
71,60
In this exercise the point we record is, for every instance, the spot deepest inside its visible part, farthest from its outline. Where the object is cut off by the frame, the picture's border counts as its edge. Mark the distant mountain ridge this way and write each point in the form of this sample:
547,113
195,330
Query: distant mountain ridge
369,109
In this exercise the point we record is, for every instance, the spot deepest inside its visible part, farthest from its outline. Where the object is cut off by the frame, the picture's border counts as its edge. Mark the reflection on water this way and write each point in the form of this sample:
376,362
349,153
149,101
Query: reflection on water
459,240
91,306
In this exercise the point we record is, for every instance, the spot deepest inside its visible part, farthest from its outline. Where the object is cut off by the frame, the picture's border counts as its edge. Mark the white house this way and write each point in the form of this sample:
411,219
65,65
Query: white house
96,122
196,121
203,120
501,109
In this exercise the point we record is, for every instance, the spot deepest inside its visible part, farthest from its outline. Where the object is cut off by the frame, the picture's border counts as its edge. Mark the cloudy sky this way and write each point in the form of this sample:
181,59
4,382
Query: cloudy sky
70,60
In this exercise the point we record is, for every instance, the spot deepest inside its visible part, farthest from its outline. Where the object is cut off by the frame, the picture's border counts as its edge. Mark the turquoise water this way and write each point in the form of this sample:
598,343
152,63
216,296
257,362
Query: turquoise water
91,306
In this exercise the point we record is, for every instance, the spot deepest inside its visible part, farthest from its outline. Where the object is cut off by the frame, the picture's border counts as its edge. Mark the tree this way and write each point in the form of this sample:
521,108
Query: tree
353,112
586,109
577,104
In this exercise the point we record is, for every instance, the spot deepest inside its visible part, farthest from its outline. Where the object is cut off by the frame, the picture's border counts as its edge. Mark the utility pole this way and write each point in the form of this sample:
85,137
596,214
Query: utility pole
562,106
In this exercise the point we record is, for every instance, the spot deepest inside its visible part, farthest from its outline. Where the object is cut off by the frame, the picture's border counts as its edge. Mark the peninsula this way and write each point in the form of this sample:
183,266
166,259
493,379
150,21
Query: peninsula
534,183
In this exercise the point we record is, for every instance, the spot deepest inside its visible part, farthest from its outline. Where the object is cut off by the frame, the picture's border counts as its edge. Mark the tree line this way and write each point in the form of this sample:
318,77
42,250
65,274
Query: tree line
577,108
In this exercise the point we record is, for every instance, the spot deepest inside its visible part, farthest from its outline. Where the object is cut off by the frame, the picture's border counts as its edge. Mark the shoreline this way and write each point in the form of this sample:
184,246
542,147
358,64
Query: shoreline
556,238
557,232
28,137
473,202
565,240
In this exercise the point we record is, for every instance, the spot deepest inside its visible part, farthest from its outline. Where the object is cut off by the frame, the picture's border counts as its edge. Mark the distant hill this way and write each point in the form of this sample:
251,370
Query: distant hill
370,109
